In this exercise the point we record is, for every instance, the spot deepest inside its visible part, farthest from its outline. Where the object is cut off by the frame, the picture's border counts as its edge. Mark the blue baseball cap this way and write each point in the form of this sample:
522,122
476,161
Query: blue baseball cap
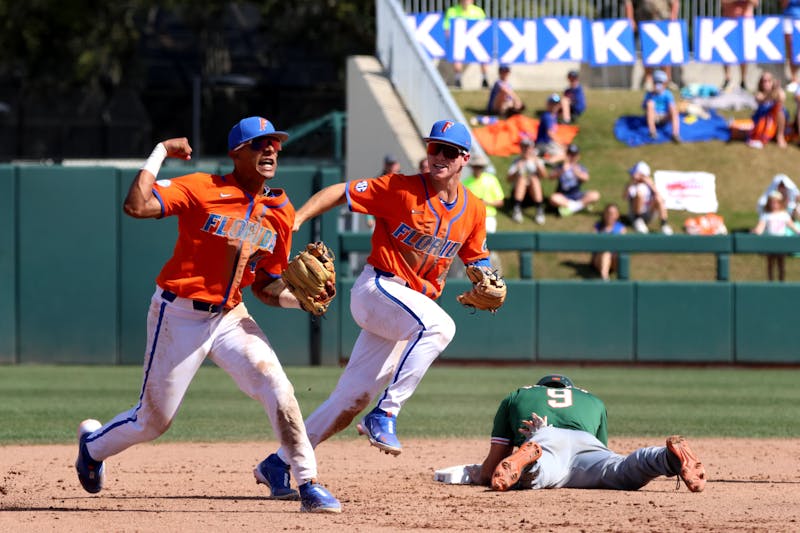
450,132
659,76
250,128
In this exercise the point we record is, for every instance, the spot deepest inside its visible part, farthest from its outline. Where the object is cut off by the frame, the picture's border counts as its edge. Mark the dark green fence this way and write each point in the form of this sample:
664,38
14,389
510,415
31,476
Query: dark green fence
76,276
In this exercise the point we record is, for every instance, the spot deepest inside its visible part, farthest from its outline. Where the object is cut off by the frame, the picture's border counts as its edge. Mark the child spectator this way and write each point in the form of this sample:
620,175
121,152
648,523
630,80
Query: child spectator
525,174
546,142
784,185
503,101
573,104
660,108
606,262
775,221
571,175
485,186
644,201
769,120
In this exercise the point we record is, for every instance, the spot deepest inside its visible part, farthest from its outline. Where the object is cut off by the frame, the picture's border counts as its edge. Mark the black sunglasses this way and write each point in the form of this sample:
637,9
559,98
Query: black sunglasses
450,152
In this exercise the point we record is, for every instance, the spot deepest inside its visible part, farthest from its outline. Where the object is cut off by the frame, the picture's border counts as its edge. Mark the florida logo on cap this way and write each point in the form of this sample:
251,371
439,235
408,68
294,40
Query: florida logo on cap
446,126
262,123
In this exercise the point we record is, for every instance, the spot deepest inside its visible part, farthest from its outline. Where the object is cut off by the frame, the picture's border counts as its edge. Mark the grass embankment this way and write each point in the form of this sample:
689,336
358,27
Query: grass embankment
742,174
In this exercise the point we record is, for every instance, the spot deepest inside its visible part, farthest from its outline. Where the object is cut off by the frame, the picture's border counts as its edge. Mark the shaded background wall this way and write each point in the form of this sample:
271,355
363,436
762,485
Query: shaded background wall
109,79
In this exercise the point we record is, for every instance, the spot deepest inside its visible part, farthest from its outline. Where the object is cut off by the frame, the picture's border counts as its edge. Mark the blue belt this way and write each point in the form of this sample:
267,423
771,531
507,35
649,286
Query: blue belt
197,304
383,273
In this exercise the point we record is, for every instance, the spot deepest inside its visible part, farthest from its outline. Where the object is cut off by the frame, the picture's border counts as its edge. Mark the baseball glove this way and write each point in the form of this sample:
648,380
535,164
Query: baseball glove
488,290
311,277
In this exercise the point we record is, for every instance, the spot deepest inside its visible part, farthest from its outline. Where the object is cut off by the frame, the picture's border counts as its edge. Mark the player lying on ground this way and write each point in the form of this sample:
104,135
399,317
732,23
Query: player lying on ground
422,223
562,438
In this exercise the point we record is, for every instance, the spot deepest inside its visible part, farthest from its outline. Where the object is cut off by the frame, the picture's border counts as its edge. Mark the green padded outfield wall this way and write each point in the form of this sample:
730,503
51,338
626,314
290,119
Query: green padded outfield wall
684,322
585,321
67,279
766,322
76,277
8,271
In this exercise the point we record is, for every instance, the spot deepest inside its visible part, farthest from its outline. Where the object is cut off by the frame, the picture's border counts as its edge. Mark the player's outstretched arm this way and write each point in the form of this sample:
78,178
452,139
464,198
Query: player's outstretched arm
319,203
140,201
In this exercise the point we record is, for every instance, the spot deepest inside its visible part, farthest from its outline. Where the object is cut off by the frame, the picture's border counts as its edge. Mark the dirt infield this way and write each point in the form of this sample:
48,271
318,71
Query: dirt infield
754,485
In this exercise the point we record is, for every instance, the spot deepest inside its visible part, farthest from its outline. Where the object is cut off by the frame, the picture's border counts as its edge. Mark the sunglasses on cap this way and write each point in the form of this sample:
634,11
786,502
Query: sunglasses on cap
260,143
449,151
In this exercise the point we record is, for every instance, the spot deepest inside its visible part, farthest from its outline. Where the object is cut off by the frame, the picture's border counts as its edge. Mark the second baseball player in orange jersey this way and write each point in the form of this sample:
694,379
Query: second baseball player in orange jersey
422,223
417,235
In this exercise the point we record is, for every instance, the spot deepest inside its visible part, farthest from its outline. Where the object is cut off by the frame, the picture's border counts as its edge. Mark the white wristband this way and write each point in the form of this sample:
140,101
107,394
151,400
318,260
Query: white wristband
156,159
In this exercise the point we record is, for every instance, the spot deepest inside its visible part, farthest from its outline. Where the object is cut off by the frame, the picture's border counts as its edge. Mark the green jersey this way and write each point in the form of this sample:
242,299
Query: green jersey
566,408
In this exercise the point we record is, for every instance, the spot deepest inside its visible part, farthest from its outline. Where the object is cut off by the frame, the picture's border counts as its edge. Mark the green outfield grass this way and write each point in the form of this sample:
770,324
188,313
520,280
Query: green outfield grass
44,404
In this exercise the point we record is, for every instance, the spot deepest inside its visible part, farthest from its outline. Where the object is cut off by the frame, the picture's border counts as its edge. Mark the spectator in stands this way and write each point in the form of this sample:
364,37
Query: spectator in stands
637,11
573,103
525,174
791,12
660,108
424,166
571,175
464,9
784,185
607,262
737,9
776,221
390,165
547,145
644,201
503,100
770,117
485,186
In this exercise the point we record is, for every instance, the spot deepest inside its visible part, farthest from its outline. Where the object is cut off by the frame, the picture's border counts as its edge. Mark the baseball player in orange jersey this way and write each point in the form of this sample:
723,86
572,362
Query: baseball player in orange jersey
422,223
233,231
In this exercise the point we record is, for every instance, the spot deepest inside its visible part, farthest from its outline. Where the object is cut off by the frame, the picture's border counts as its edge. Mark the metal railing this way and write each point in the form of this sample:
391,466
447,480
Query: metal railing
580,8
416,80
527,244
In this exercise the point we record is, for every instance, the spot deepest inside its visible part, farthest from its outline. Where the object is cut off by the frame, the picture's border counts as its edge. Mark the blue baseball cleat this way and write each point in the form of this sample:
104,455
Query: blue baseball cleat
91,473
379,427
315,498
275,474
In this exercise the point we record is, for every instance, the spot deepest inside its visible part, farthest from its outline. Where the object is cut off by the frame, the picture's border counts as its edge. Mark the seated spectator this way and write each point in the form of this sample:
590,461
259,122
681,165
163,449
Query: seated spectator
546,142
573,104
784,185
571,175
606,262
485,186
644,201
660,108
775,221
770,118
503,100
390,165
424,166
526,173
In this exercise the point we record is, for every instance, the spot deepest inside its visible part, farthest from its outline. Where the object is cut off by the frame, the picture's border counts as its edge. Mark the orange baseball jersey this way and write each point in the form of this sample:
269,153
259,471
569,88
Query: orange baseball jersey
224,236
416,236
